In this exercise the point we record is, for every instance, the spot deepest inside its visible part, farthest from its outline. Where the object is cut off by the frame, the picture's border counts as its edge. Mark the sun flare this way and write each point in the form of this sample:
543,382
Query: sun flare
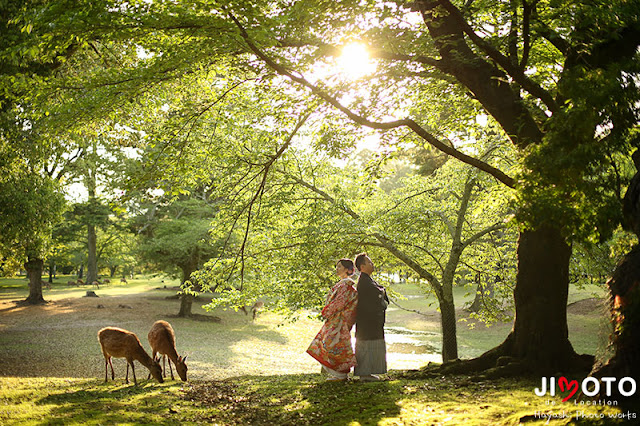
354,61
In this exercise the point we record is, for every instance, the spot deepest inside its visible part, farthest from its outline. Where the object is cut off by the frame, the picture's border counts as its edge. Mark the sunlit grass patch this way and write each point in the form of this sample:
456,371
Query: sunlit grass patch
82,401
296,399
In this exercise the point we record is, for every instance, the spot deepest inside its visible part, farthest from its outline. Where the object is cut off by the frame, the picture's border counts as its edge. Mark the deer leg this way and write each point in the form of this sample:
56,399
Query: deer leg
126,379
164,366
171,369
153,357
113,375
106,363
133,370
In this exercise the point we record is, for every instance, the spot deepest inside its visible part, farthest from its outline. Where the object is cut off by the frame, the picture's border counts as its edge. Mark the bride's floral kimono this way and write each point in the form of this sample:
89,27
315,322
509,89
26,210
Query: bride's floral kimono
332,346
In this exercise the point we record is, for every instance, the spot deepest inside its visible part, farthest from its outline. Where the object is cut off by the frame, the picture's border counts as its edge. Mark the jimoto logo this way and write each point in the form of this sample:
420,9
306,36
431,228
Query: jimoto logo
590,386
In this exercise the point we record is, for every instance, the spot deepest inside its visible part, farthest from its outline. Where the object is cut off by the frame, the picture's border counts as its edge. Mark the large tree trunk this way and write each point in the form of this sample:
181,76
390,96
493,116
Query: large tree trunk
92,263
624,304
540,333
539,341
34,269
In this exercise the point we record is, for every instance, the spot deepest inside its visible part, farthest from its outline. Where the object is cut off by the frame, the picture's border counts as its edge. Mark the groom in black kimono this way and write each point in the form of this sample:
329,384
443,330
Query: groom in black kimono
371,351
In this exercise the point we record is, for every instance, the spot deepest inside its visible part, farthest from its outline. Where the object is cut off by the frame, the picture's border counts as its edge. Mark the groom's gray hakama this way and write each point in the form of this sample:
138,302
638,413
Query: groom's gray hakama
371,351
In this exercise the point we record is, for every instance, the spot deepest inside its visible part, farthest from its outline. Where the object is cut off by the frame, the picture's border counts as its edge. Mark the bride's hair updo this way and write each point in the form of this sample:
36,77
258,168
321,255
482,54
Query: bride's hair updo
348,265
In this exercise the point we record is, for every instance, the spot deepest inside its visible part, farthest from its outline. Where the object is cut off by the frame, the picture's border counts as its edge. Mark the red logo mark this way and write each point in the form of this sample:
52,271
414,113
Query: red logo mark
566,385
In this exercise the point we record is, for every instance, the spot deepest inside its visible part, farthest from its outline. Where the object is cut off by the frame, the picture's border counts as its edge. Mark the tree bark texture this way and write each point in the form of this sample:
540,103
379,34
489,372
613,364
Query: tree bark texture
52,271
34,269
624,293
540,333
449,331
186,300
92,259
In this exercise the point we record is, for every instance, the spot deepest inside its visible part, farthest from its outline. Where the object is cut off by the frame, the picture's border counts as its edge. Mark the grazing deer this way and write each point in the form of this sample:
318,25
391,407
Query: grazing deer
119,343
123,280
106,281
80,282
96,284
163,341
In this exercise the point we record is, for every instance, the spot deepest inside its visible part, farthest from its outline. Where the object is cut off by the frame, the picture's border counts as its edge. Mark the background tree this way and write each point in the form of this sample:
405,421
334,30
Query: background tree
312,213
175,236
30,205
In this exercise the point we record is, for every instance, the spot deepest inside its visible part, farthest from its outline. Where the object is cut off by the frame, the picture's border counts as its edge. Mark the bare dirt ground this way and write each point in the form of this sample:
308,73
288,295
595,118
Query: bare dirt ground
61,336
59,339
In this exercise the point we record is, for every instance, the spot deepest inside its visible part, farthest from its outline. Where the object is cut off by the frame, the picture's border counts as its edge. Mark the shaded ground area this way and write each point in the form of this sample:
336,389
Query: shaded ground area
588,306
290,399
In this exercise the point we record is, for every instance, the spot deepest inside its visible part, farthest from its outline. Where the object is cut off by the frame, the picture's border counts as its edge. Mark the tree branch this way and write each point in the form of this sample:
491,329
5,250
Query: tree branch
386,243
475,237
261,189
526,34
513,70
407,122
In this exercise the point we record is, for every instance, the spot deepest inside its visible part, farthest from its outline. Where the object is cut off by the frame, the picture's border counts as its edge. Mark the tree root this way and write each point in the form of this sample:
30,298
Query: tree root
500,362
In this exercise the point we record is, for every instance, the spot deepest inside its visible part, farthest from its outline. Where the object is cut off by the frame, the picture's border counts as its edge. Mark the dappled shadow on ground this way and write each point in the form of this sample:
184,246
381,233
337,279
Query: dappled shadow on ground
288,399
59,339
102,403
296,400
198,317
307,399
588,306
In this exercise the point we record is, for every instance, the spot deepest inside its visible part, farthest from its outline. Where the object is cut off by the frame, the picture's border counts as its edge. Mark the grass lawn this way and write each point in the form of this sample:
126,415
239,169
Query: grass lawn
293,399
247,372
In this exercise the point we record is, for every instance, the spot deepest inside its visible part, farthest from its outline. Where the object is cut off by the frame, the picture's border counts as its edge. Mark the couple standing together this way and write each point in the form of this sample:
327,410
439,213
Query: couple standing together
345,306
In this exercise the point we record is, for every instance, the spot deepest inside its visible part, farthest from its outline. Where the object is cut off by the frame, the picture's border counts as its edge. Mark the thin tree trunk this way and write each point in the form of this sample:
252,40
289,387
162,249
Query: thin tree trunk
112,271
447,305
449,331
92,263
483,290
81,271
52,271
91,216
186,300
34,269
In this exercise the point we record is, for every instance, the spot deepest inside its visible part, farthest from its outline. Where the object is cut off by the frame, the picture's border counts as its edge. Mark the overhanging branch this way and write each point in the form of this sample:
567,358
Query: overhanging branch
407,122
512,69
384,241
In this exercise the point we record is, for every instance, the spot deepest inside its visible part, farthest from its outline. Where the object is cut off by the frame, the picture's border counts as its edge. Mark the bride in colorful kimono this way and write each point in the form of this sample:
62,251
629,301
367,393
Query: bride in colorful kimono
332,346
